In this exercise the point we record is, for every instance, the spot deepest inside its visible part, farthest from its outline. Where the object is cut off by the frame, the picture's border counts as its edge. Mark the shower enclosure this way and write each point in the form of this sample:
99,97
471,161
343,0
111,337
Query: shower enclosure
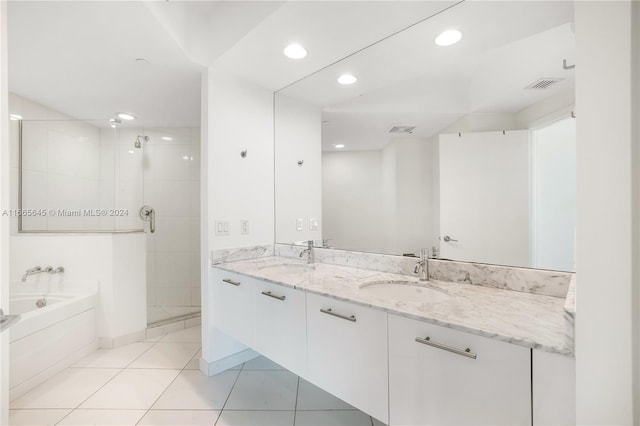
87,176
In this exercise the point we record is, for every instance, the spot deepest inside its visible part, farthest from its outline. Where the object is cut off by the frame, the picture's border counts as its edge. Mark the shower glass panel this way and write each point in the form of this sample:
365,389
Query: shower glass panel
171,186
74,177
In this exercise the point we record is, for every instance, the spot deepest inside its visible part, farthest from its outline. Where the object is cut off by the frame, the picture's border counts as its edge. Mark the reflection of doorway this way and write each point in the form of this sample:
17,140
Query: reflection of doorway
553,195
484,197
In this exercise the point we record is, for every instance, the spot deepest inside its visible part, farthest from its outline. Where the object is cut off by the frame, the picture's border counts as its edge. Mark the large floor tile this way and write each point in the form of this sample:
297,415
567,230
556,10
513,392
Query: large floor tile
194,364
180,417
67,389
262,363
311,397
332,418
82,417
114,358
192,390
167,355
256,418
186,335
132,389
264,390
36,417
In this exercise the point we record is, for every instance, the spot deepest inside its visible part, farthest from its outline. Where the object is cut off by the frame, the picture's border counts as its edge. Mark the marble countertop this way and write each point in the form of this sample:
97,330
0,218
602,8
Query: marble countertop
524,319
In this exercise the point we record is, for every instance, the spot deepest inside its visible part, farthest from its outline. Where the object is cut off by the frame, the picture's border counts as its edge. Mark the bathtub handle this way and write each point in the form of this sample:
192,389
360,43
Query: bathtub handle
7,321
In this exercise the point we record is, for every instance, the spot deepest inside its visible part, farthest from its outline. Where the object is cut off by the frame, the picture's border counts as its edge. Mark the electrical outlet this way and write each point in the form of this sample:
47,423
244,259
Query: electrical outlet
244,227
313,224
299,224
222,228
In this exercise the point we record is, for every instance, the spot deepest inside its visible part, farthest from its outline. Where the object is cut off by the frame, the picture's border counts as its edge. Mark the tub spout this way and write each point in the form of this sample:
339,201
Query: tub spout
35,270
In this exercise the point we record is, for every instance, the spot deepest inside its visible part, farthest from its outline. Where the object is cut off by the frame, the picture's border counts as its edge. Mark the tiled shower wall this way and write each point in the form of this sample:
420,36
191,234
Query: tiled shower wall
172,188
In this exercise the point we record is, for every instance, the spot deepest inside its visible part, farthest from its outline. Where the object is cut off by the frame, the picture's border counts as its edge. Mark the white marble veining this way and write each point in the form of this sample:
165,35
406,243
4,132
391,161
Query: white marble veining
531,320
241,253
570,313
536,281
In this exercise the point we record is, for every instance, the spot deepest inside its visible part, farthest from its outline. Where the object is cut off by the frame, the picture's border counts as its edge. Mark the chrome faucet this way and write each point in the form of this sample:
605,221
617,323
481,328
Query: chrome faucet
422,267
36,270
309,251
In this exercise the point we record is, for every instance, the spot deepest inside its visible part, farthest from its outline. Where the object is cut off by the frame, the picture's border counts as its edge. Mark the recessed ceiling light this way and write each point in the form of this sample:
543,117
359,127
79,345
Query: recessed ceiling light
142,61
15,117
347,79
449,37
125,116
295,51
338,145
166,138
130,151
186,157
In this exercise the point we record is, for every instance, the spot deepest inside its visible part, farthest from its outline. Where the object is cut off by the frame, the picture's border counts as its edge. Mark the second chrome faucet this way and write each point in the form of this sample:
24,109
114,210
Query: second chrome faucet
309,252
422,267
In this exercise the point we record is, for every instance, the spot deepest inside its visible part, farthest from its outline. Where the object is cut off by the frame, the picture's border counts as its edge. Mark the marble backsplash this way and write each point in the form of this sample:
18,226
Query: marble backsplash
241,253
536,281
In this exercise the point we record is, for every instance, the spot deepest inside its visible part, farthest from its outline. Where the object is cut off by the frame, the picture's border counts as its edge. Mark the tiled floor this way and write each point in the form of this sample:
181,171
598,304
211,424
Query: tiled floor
157,382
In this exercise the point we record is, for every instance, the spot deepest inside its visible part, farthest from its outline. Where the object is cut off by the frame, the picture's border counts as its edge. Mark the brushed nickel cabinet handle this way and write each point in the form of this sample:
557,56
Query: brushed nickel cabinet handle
230,281
351,318
427,341
275,296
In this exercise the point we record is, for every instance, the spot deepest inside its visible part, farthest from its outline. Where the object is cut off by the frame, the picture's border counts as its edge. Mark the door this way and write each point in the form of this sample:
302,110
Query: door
484,197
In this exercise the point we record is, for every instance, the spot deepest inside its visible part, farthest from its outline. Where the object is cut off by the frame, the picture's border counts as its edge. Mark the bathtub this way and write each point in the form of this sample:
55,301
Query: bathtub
48,339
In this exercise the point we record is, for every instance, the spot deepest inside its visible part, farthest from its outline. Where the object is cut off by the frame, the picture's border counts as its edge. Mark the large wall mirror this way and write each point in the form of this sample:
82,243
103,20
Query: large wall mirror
466,149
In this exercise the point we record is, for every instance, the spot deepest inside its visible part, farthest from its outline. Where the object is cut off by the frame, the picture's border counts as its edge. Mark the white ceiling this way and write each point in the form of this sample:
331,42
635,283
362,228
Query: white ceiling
407,79
78,57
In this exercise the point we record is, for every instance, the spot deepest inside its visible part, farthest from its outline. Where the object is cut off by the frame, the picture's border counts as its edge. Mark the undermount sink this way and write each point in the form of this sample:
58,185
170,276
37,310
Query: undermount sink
405,291
289,268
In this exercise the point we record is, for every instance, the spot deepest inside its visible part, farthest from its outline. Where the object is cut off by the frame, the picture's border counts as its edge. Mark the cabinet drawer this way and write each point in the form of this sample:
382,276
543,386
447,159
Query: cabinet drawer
281,326
436,381
347,347
234,312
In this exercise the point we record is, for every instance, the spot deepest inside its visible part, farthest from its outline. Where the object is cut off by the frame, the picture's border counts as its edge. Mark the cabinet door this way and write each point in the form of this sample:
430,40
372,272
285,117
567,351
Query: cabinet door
347,347
234,306
429,385
281,326
554,389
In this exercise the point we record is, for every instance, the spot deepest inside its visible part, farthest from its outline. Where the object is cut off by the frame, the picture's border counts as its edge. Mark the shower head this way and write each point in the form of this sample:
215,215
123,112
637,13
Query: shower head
138,142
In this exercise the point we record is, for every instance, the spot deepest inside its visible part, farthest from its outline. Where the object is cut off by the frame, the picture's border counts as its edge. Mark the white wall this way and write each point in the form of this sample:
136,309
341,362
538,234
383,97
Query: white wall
607,236
381,201
298,188
236,115
113,264
4,220
553,196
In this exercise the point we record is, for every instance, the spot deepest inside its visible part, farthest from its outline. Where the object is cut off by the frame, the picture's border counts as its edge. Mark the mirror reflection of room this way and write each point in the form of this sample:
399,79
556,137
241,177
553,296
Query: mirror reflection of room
466,148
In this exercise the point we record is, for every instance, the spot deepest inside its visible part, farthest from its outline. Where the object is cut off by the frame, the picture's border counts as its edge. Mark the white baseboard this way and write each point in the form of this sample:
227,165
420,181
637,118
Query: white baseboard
213,368
114,342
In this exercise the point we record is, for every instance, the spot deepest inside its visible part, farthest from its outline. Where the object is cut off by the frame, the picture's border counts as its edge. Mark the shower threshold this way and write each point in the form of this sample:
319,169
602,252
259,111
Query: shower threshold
157,316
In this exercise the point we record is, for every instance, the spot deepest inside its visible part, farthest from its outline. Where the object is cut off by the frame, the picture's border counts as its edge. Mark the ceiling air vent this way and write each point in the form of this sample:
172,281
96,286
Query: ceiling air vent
544,83
402,129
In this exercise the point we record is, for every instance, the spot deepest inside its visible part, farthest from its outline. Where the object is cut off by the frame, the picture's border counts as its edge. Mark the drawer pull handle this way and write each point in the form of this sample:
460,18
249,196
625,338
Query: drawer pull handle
230,281
427,341
351,318
275,296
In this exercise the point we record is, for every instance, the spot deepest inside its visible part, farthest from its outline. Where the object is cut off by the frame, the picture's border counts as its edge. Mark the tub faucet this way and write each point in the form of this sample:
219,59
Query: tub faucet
309,251
422,267
36,270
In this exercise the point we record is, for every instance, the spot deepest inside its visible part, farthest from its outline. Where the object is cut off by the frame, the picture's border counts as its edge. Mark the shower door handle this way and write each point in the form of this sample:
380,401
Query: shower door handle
148,214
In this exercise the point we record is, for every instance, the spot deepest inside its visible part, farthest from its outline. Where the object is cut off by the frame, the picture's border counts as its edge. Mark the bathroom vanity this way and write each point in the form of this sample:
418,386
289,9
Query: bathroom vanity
440,352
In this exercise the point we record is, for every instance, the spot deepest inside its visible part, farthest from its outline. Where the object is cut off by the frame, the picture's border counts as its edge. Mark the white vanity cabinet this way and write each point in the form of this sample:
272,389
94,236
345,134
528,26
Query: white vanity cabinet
435,381
234,312
281,325
347,353
554,389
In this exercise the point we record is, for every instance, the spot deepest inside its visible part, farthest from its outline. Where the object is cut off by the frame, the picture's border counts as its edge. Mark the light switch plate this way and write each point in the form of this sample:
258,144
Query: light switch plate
299,224
222,227
244,227
313,224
